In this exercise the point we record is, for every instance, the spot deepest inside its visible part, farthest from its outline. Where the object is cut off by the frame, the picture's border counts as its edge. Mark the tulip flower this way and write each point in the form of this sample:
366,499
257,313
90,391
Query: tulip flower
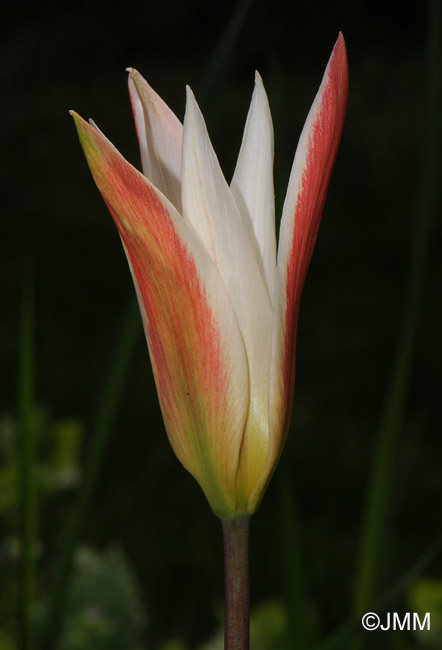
219,302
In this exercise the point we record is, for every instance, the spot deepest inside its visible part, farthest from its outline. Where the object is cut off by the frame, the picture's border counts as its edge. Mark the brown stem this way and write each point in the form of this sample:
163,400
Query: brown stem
236,570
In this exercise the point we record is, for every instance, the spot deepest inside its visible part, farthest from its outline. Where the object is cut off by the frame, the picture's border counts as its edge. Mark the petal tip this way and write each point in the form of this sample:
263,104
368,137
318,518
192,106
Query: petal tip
259,84
339,63
133,73
191,102
259,91
340,49
340,40
77,118
138,84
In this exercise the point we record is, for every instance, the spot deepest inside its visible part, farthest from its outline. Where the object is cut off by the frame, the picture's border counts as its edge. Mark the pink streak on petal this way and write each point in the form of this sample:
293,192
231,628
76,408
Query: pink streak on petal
323,140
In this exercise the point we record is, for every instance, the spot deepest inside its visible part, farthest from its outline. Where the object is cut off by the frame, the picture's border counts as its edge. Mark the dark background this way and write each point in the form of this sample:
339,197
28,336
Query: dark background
56,57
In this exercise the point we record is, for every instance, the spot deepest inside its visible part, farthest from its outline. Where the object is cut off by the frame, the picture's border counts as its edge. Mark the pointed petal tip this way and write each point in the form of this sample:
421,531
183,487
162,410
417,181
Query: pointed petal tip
259,91
81,125
259,84
191,102
339,48
137,83
77,118
79,121
339,63
94,125
133,72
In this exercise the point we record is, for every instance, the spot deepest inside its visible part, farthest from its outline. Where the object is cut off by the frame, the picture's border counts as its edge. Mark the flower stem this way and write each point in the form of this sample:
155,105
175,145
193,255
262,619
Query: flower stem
236,570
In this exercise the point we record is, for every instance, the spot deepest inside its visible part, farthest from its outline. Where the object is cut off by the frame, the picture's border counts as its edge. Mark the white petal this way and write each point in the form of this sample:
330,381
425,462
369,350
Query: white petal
252,183
209,205
160,136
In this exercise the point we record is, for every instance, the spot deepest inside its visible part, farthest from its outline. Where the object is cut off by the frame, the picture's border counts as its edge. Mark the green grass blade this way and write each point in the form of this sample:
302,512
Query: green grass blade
380,488
27,465
100,435
297,619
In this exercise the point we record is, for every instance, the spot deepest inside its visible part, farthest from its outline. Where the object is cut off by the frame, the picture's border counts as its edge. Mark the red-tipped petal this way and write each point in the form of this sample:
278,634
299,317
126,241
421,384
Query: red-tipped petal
194,342
309,179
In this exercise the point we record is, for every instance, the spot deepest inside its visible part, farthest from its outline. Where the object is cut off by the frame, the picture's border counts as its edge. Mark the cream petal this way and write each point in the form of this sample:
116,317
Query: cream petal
160,136
252,183
208,204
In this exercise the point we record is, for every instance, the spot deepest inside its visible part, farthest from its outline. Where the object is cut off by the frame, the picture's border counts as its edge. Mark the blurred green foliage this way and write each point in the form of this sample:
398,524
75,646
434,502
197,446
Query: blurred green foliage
57,460
426,597
57,473
105,609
